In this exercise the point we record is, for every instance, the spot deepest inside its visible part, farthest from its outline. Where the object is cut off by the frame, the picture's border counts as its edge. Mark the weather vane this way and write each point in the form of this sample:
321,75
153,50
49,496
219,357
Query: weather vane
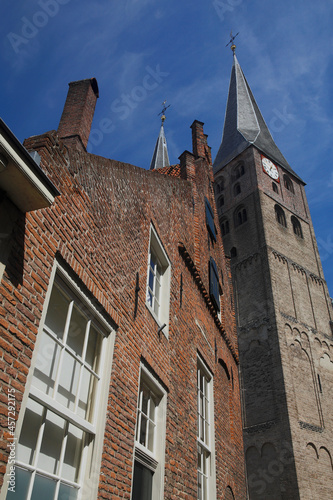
232,38
163,111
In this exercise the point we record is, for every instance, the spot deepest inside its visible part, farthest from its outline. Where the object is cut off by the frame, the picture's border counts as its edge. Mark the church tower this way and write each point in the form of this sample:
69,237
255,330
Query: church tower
283,308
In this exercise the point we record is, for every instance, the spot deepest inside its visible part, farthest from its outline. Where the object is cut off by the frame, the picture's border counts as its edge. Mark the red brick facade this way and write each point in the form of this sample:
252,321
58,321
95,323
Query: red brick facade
98,229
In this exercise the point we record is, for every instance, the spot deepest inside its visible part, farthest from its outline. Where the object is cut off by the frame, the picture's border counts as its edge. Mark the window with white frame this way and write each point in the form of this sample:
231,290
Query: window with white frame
158,281
148,478
57,453
205,434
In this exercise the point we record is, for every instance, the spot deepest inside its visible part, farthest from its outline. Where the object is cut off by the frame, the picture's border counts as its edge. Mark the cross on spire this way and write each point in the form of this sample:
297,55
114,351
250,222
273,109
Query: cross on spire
163,110
232,38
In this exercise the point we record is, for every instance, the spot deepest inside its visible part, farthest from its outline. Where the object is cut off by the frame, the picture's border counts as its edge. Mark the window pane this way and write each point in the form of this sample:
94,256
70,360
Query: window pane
67,492
151,280
151,435
142,482
143,430
46,364
77,330
28,438
57,312
74,446
43,488
145,399
22,481
53,435
152,409
88,383
93,348
68,382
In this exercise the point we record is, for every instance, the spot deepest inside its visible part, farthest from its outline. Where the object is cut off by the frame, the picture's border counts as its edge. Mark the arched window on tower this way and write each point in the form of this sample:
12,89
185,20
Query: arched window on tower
280,216
221,201
238,171
233,252
288,183
297,226
224,223
275,187
237,189
240,216
219,185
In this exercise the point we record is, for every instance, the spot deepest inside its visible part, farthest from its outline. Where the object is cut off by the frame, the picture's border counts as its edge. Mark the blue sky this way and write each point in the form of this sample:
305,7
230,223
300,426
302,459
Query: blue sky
144,51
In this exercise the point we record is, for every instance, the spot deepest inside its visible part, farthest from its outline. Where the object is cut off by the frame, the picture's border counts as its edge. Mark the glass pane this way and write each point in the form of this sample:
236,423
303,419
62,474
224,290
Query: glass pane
151,435
53,435
150,298
145,399
152,409
77,330
153,262
93,348
157,290
143,430
71,465
151,279
57,312
199,486
156,307
67,492
202,429
43,488
21,484
68,382
28,438
87,391
46,364
142,482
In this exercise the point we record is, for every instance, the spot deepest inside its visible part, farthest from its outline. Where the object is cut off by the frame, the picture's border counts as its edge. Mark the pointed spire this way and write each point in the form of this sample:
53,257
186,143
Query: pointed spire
160,157
244,125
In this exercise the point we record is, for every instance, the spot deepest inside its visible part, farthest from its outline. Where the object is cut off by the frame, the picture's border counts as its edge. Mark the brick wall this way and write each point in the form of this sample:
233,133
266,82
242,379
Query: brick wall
99,228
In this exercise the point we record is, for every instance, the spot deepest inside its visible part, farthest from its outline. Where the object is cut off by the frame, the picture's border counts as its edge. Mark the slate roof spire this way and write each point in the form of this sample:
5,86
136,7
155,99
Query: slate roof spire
160,157
244,125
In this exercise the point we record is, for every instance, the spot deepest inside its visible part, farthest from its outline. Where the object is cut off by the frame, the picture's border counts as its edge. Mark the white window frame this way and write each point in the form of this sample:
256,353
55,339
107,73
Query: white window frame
152,459
93,447
206,436
161,280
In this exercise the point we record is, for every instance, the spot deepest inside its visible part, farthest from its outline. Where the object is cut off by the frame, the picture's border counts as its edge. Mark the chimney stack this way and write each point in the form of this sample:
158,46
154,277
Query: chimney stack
199,142
78,113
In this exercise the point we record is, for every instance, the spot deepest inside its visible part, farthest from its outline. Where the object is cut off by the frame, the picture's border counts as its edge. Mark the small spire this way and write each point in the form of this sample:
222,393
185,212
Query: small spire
232,38
160,157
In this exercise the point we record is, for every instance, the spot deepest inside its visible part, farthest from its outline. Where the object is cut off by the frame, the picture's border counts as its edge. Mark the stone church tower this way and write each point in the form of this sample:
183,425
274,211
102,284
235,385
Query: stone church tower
284,312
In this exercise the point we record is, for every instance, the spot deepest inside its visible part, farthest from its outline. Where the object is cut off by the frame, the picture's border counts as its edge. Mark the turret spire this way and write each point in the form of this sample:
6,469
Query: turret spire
244,124
160,157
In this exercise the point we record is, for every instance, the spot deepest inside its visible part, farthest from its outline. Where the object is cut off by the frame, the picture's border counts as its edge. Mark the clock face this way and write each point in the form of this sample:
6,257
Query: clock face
270,169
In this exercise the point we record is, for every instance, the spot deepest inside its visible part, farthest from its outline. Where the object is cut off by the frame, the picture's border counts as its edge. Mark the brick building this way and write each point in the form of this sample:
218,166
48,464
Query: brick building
283,309
119,357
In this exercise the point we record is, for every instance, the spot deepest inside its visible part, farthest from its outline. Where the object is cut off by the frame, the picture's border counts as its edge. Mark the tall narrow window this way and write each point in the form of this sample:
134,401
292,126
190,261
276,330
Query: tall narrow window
237,189
57,440
240,216
219,185
238,172
224,226
221,201
288,183
275,187
210,220
205,436
280,216
214,285
149,440
158,281
296,226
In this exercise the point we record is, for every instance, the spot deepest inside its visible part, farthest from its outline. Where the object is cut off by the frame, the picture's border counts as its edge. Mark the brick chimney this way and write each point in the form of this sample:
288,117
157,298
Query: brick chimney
78,113
199,142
